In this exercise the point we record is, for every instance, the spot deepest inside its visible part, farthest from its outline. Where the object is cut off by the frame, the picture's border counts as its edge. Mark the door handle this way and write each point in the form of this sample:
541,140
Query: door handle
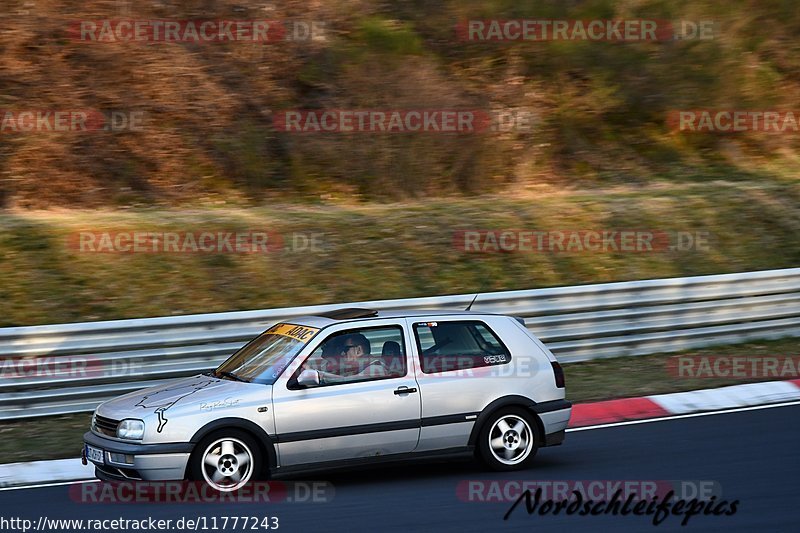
404,390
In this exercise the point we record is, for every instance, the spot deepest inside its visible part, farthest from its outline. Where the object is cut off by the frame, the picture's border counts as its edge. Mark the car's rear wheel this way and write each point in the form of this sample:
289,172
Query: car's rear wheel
226,460
508,440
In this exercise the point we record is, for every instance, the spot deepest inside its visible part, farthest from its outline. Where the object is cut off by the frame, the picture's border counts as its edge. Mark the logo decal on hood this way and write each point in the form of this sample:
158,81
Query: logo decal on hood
166,398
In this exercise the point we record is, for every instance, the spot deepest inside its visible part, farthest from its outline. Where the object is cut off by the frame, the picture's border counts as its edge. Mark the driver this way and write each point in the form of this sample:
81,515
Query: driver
354,361
355,352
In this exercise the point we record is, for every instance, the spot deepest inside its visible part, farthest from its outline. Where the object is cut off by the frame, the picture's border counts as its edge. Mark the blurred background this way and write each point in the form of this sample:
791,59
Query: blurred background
599,152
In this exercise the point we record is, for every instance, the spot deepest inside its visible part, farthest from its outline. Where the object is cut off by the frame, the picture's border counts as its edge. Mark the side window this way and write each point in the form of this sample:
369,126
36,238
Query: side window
358,355
445,346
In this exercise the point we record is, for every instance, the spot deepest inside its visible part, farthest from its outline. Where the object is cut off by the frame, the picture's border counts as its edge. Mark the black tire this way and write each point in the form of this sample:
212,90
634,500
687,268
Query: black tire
518,440
242,444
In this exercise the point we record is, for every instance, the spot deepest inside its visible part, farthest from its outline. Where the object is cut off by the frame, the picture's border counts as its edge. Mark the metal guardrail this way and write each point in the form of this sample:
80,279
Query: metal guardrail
578,323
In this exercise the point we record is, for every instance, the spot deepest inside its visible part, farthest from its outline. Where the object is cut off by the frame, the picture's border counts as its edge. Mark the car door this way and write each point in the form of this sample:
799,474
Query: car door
457,376
367,416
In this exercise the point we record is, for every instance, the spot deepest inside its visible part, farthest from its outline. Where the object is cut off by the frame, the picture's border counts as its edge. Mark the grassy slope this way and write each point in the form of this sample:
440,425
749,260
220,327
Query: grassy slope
381,251
600,107
590,381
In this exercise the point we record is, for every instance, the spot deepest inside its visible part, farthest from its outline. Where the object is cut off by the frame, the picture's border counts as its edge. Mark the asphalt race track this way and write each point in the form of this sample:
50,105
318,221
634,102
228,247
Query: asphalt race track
752,454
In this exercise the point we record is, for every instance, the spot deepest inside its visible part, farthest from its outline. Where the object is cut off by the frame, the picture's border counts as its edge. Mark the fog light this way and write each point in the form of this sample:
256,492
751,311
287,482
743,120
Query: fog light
120,458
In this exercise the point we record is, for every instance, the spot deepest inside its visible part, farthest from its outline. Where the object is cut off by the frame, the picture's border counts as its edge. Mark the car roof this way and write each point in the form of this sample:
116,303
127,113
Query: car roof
339,316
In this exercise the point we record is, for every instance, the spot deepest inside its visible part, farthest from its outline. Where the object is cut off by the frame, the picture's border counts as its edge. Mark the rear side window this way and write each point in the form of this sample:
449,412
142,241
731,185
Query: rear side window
446,346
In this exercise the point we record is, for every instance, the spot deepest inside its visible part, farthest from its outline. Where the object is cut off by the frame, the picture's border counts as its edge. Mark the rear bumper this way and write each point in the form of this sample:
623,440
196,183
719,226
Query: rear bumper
123,461
555,417
554,439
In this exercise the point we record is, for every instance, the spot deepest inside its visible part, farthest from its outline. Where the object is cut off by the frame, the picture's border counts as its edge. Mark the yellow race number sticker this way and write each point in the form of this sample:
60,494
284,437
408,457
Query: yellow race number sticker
300,333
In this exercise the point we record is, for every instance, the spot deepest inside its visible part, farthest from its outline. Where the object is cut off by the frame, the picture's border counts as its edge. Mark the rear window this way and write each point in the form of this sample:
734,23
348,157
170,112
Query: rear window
446,346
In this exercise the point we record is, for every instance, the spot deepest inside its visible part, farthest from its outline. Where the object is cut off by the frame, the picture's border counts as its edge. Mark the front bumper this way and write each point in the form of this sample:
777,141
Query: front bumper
147,462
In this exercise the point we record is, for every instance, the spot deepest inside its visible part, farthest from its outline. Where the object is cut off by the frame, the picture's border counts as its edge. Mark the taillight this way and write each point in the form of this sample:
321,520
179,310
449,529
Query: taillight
558,372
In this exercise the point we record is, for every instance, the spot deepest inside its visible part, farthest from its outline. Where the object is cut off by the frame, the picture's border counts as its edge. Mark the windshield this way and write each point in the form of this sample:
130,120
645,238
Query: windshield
263,359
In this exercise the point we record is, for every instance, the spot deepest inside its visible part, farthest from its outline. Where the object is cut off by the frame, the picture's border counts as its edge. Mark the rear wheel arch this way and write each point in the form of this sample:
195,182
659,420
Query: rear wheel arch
513,400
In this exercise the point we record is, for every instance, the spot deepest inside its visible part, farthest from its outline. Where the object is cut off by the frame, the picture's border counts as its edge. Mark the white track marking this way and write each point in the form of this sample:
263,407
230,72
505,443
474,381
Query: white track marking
40,485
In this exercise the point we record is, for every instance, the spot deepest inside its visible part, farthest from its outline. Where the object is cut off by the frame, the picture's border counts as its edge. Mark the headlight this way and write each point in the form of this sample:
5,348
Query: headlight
130,428
94,421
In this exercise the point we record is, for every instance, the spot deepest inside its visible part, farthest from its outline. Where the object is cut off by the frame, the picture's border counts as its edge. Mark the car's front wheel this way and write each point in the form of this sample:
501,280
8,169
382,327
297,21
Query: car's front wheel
226,460
508,440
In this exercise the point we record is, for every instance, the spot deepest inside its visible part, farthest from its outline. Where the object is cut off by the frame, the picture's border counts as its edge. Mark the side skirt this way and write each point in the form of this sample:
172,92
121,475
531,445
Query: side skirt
464,452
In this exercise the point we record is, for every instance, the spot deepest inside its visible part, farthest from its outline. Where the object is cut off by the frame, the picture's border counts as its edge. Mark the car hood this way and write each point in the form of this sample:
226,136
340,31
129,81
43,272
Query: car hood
194,393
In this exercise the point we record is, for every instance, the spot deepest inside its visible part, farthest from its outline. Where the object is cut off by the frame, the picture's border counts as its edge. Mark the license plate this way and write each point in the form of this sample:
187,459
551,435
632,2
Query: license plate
95,455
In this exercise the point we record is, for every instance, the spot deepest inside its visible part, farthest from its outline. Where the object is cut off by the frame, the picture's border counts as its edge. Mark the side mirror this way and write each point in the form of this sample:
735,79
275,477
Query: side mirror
308,378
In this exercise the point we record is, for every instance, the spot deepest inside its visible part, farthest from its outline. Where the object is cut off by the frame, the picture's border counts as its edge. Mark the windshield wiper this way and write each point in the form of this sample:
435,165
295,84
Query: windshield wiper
233,376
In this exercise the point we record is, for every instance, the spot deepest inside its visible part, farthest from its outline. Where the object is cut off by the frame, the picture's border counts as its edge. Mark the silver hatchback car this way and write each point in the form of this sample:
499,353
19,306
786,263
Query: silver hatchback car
344,388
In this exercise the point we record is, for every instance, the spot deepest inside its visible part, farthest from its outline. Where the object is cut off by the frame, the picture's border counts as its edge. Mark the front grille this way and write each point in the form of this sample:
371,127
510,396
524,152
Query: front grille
106,426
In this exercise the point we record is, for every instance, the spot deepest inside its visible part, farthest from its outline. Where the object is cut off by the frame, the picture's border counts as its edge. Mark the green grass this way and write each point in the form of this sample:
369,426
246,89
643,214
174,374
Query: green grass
380,251
60,437
39,439
648,374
